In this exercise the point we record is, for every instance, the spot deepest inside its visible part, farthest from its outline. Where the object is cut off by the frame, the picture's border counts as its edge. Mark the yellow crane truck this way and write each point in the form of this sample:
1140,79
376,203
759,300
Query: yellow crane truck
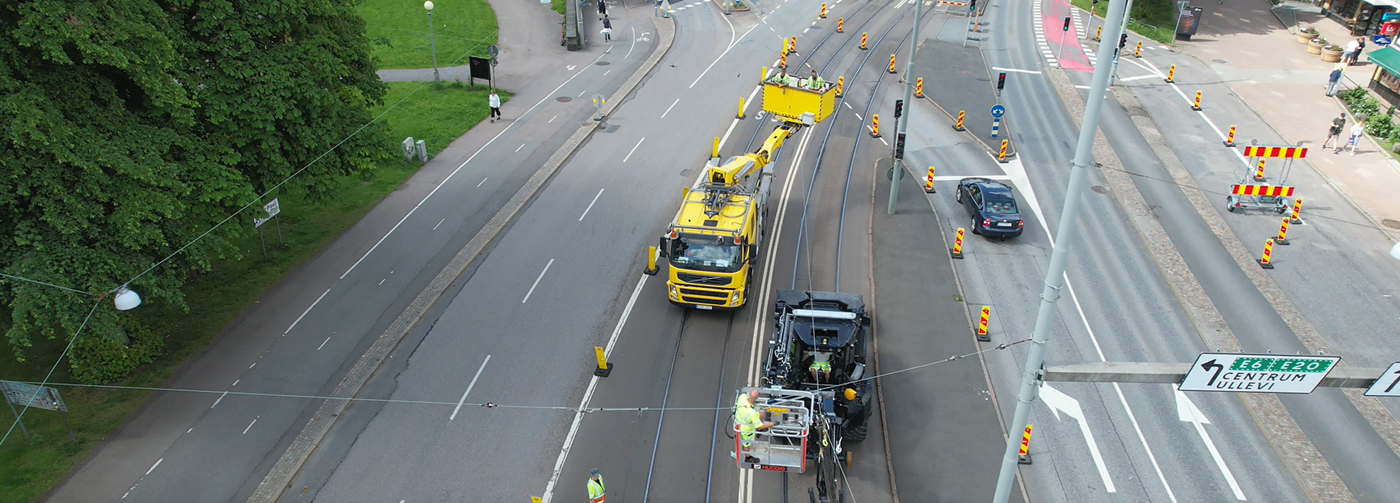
713,243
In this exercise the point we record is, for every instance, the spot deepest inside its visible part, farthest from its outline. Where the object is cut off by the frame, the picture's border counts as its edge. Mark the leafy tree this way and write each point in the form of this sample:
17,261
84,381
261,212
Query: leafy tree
130,127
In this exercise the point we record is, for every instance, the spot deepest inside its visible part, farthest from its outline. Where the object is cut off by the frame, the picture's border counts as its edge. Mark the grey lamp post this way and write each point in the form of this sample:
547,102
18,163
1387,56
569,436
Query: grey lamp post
429,5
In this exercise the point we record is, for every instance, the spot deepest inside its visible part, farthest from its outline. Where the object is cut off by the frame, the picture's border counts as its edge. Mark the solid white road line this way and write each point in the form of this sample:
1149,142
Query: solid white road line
668,109
323,344
483,180
633,46
435,227
469,388
522,145
1188,412
220,399
1016,70
634,149
590,205
588,395
303,313
537,281
1139,77
153,467
551,119
250,425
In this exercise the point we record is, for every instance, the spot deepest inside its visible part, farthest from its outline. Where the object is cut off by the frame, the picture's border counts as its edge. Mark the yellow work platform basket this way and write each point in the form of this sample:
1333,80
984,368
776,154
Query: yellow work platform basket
790,102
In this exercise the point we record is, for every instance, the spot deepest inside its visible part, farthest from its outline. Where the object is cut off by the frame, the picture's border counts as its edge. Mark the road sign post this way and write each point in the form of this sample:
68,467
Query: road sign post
1386,385
1251,373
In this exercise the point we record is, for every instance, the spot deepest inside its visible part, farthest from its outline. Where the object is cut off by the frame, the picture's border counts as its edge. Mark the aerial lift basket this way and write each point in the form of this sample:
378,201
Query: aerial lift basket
790,103
783,446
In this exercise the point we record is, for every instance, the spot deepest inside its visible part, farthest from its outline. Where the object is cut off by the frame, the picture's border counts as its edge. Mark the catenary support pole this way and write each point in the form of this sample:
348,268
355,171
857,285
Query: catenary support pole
1064,239
903,122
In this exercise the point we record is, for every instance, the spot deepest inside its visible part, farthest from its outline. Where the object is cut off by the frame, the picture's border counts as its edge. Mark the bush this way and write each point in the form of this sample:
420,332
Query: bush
100,360
1364,107
1380,126
1349,96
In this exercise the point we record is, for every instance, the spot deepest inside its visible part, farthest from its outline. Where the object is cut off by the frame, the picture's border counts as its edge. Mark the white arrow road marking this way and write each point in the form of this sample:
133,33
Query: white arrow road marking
572,67
1060,402
1187,412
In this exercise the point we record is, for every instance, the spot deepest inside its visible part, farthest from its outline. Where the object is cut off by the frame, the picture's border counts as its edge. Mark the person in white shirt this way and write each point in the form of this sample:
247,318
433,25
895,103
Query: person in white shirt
495,102
1355,138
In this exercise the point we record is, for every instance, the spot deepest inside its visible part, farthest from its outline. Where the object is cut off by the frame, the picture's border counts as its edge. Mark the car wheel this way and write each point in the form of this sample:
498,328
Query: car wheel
973,225
959,196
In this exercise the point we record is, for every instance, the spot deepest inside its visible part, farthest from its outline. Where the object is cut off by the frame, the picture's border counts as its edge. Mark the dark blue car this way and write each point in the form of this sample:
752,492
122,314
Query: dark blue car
991,207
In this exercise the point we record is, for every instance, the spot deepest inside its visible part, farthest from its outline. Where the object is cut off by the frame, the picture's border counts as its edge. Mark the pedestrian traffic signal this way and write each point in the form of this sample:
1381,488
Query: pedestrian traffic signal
1123,41
899,146
972,6
1066,27
898,108
1001,81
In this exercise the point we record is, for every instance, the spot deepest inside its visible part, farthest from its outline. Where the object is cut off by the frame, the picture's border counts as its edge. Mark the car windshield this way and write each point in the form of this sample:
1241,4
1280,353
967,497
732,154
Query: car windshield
714,253
1001,207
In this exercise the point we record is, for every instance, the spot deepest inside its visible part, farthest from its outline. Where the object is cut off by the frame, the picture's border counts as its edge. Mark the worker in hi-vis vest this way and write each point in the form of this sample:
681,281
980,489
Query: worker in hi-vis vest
747,418
596,491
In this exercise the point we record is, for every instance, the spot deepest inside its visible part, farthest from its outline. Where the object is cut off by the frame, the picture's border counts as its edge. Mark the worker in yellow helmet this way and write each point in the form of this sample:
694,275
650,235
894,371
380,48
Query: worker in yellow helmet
748,419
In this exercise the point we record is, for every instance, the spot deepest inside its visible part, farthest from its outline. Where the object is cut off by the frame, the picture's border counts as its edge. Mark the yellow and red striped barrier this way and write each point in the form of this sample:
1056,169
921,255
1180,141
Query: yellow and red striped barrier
1266,261
1001,156
1283,232
823,10
840,84
1262,190
1137,53
982,324
919,87
840,25
875,126
956,252
891,68
1171,71
928,182
1276,152
1297,207
1196,105
1230,137
1024,457
957,126
862,41
1259,171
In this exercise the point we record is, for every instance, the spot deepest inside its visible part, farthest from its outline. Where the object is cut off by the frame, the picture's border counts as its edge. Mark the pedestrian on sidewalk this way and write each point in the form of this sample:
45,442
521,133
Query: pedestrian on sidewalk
596,490
1334,133
1360,47
1334,78
607,29
1352,49
602,8
1355,138
495,102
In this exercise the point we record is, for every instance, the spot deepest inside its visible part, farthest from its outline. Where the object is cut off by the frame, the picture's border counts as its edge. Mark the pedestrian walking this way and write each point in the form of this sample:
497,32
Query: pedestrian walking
596,490
1333,79
495,102
1355,138
602,8
1353,48
607,29
1334,132
1360,46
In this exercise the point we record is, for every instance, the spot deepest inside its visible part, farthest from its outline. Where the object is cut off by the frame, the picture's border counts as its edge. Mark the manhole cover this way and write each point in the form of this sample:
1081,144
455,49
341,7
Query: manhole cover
1219,61
602,63
563,99
1393,224
1099,188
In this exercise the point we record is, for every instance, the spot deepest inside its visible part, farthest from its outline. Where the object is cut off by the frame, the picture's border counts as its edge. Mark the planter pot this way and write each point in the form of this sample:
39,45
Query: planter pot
1305,36
1315,46
1331,54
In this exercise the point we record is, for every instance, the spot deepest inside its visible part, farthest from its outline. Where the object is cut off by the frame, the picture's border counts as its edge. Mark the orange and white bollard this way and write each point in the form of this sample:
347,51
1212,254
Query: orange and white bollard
1283,232
1297,207
1098,33
862,41
1230,137
840,83
891,68
1196,105
956,251
1171,70
957,126
1001,156
919,87
1265,260
928,182
875,126
823,10
840,25
982,324
1024,457
1259,171
1137,53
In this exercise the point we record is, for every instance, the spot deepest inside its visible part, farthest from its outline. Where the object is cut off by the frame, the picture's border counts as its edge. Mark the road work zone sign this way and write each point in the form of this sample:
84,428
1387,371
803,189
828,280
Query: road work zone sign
1245,373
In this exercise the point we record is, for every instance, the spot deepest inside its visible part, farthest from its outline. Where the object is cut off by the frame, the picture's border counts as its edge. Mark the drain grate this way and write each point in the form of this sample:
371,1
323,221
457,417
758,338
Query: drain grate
1393,224
563,99
602,63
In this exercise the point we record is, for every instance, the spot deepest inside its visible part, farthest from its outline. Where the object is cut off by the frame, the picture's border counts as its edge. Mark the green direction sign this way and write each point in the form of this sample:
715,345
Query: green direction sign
1246,373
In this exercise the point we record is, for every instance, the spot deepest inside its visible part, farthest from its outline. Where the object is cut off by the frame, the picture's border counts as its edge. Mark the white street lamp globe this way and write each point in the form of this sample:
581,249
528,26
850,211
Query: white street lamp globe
126,300
1395,251
428,5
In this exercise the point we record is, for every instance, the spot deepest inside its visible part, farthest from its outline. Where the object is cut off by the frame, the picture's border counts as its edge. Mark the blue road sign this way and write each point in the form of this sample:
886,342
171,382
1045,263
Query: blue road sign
998,111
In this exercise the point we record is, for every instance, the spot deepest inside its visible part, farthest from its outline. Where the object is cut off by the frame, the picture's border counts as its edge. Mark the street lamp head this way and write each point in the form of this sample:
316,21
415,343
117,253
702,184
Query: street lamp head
1395,251
126,300
428,5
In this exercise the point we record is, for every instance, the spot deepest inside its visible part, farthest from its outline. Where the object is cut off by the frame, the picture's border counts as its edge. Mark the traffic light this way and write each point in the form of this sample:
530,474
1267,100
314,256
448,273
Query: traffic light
1123,41
1066,27
1001,81
972,6
898,108
899,146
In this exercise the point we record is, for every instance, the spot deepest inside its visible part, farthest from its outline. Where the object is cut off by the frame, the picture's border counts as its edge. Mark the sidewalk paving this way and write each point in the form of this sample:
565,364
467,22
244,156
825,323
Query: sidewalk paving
1257,57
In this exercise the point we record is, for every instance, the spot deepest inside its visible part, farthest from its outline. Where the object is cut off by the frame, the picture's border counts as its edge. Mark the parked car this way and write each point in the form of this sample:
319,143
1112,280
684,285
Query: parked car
991,206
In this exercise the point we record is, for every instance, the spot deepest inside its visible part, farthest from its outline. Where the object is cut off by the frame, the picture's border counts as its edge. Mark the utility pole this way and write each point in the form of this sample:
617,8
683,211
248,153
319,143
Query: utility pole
1064,238
903,123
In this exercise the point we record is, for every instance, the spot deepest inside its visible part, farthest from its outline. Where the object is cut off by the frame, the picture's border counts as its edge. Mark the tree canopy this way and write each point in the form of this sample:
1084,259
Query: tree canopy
130,127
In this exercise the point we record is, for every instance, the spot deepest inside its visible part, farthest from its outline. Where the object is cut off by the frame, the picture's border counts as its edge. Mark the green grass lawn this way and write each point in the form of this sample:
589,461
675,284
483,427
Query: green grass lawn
399,31
1153,19
557,6
28,468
